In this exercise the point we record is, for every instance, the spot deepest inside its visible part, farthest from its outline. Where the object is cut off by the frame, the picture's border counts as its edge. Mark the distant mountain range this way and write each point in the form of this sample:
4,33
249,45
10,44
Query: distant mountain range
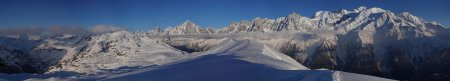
368,41
341,21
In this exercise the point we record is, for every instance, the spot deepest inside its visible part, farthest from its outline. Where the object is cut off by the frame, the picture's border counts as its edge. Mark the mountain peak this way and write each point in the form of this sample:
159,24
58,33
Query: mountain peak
187,27
187,22
343,11
372,10
360,8
320,13
376,10
294,14
411,18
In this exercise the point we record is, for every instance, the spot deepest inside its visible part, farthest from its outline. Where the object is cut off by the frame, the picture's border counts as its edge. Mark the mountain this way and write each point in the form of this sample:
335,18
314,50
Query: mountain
369,41
341,21
187,27
240,60
123,55
34,53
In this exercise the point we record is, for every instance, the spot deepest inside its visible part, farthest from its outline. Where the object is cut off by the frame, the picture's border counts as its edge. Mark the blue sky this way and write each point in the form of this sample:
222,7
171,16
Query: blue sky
146,14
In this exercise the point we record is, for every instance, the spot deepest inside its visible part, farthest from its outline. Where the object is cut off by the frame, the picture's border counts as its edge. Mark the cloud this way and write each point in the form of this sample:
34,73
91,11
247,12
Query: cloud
21,30
106,28
72,30
67,30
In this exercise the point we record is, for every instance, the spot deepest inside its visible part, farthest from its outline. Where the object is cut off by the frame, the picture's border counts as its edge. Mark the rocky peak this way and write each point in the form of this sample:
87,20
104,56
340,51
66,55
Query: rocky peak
375,10
294,15
411,18
188,25
361,8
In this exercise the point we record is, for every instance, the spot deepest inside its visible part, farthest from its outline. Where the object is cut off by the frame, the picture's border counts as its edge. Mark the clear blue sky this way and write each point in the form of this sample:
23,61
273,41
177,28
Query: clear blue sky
145,14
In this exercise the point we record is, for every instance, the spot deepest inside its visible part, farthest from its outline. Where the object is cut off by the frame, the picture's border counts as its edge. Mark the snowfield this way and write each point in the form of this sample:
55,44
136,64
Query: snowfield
234,59
239,60
362,44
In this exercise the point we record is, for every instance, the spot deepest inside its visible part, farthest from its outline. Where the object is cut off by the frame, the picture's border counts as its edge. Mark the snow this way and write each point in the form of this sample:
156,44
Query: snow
242,62
187,27
115,52
235,59
245,50
345,76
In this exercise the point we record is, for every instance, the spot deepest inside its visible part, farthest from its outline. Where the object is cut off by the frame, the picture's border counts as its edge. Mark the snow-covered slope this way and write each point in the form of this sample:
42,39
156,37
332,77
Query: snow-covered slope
115,52
369,41
11,57
35,53
366,40
136,56
238,60
341,21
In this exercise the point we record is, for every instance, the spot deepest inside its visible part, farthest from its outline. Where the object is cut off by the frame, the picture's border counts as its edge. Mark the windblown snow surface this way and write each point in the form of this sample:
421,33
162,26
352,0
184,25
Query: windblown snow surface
332,45
224,57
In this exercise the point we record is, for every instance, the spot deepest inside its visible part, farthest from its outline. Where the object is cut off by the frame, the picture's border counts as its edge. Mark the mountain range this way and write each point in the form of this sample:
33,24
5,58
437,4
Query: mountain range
369,41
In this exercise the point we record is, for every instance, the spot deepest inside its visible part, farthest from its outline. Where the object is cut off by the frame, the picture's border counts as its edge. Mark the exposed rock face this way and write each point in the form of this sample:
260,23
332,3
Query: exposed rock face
12,61
369,41
364,40
193,44
100,54
34,54
187,27
324,56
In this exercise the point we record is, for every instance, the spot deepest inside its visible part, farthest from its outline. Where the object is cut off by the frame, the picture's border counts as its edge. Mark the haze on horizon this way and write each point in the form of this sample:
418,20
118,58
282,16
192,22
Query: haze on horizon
144,14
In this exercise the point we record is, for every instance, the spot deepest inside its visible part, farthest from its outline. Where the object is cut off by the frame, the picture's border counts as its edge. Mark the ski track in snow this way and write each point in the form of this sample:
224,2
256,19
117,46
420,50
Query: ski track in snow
336,76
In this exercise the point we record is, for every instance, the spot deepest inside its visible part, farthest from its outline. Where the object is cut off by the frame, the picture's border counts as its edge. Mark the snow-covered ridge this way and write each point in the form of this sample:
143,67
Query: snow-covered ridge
122,55
365,40
368,41
187,27
342,21
123,52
